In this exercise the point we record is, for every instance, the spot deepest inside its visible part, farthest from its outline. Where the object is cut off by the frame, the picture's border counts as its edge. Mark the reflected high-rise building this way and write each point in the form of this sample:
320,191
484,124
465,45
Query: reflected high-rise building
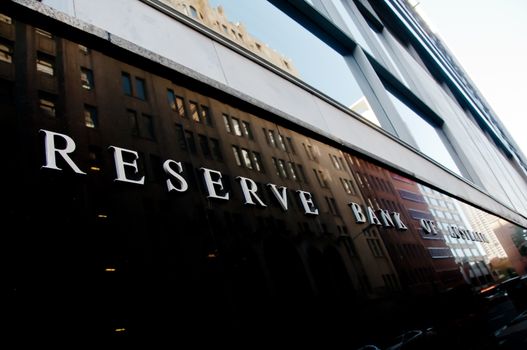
217,19
470,255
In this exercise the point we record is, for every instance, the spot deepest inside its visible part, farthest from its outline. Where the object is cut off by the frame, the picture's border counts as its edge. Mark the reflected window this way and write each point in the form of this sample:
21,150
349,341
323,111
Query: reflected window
193,12
140,88
126,84
84,49
246,158
45,64
47,104
292,171
301,173
180,136
5,19
281,169
191,143
206,116
204,144
90,117
194,113
425,135
216,149
237,155
132,122
319,174
148,127
247,130
180,105
227,123
6,51
95,158
87,78
171,97
236,127
258,163
43,33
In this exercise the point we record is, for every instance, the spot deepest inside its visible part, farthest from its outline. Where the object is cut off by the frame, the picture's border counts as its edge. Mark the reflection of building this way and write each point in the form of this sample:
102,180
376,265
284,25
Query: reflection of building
216,19
468,253
143,92
506,232
410,259
484,223
443,261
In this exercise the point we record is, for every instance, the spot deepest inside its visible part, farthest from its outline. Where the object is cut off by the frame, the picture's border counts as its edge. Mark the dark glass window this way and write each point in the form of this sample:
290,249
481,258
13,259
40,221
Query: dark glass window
247,130
320,178
156,168
291,146
301,173
126,83
87,78
148,127
189,136
90,117
216,149
140,88
204,144
94,158
205,115
132,122
180,135
171,99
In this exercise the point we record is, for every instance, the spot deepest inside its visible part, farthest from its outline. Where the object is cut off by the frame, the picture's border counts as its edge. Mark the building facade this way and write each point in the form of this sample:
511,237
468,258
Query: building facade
168,179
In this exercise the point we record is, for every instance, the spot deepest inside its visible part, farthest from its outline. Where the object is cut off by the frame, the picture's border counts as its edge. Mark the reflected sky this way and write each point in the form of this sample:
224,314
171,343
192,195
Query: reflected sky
318,64
425,135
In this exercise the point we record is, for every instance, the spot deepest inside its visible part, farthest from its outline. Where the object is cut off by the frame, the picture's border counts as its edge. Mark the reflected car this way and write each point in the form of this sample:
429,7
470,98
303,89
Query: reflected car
513,333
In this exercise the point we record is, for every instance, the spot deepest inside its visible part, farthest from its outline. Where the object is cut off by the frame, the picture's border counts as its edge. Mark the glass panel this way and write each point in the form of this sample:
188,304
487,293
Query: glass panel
87,79
126,83
368,249
194,114
45,64
132,121
148,127
425,135
90,117
299,53
140,89
6,52
349,21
